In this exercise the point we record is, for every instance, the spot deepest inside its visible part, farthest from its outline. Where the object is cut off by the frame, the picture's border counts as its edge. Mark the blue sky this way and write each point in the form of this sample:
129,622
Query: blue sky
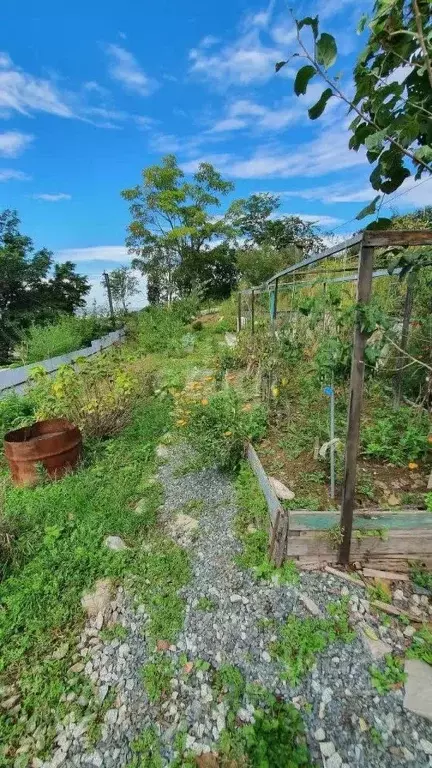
91,92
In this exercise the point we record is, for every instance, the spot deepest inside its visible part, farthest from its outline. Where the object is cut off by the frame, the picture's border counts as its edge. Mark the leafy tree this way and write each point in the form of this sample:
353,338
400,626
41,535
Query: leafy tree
172,224
392,101
124,285
28,293
256,265
214,275
254,219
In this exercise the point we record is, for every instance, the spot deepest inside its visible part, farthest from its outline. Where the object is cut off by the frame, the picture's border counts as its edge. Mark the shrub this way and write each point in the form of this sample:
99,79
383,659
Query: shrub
67,334
197,325
15,412
97,395
219,426
398,436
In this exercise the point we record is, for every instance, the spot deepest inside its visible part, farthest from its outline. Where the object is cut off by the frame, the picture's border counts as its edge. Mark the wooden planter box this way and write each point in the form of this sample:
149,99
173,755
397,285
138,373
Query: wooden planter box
381,539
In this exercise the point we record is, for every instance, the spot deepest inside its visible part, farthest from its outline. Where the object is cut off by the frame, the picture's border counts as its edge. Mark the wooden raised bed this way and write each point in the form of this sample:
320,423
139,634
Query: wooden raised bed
381,539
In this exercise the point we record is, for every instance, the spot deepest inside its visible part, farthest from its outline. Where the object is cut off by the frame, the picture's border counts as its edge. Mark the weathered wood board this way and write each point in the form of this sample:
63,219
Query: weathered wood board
279,517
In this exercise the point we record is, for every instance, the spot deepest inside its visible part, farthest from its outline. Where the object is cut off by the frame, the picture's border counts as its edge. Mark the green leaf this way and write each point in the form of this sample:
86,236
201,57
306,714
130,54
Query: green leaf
381,223
326,50
361,26
279,65
425,154
375,140
309,21
303,77
369,209
320,105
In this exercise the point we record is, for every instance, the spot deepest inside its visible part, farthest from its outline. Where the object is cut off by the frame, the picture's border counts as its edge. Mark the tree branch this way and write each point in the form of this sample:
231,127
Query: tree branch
419,25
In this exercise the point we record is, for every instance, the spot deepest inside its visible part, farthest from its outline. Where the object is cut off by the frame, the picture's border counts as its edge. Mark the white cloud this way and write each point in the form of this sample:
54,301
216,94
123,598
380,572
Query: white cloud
247,114
125,69
165,143
10,174
25,93
319,219
410,193
52,198
325,154
208,41
118,253
13,143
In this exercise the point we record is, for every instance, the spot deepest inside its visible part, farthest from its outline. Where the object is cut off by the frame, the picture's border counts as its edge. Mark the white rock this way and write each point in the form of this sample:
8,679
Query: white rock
162,452
409,757
426,746
99,600
115,543
378,648
415,600
345,591
281,490
266,656
310,605
335,761
398,595
327,748
111,717
327,695
236,598
418,688
409,631
319,734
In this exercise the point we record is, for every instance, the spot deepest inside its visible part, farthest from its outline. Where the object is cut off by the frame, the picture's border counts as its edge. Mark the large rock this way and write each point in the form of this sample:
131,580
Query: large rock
181,528
418,688
115,543
378,648
282,492
99,600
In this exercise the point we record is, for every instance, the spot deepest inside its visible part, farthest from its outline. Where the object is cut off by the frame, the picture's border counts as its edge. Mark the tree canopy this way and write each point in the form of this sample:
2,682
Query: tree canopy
124,285
173,224
32,287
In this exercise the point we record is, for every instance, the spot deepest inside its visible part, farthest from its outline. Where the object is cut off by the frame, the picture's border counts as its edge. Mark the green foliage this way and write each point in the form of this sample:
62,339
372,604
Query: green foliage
15,411
378,592
156,677
147,750
391,676
67,334
115,632
124,284
333,360
398,436
205,604
229,682
300,640
421,647
29,292
421,576
219,427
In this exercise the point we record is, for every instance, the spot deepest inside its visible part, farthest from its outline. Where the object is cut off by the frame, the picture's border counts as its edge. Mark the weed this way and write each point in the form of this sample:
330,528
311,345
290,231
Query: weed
201,665
229,681
360,534
300,640
333,535
156,676
421,576
378,592
147,750
375,737
365,486
116,632
195,464
392,676
205,604
313,477
421,647
194,508
399,436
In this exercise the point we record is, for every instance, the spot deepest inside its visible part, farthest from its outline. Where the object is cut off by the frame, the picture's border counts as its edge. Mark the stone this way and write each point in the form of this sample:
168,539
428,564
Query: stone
182,526
327,695
310,605
76,668
378,648
409,631
334,761
162,452
111,717
319,734
60,652
236,598
363,725
418,688
162,645
282,492
345,591
209,760
426,746
398,595
9,703
408,756
266,657
393,500
99,600
327,748
115,543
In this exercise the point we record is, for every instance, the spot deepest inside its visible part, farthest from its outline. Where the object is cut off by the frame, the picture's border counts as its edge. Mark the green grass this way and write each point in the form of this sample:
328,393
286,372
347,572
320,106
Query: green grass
391,676
156,677
300,640
205,604
146,750
59,553
116,632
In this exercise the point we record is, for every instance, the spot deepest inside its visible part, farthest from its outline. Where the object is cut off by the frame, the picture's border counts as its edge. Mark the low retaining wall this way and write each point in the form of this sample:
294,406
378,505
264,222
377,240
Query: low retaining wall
14,379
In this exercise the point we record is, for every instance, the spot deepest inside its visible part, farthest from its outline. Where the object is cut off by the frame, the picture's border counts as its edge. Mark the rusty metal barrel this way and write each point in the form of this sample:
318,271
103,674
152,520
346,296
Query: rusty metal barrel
56,444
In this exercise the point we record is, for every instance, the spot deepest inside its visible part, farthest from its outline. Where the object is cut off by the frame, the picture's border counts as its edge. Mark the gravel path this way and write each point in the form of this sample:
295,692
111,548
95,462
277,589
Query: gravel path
347,723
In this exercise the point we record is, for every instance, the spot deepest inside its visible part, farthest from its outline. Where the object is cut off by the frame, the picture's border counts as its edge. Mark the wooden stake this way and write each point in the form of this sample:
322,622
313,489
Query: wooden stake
364,286
409,301
275,298
239,311
253,312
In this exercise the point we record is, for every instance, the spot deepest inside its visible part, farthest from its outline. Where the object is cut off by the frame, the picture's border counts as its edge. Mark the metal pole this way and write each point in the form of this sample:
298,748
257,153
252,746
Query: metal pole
332,445
110,302
275,298
253,312
364,287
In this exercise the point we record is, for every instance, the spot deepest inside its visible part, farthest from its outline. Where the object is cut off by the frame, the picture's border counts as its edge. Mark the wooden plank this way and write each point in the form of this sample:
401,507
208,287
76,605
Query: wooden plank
345,576
281,539
273,504
374,573
393,611
409,544
364,287
397,237
304,520
314,258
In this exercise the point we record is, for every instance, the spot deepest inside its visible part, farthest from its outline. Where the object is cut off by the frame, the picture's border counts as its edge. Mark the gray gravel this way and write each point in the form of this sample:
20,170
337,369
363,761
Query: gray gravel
337,701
